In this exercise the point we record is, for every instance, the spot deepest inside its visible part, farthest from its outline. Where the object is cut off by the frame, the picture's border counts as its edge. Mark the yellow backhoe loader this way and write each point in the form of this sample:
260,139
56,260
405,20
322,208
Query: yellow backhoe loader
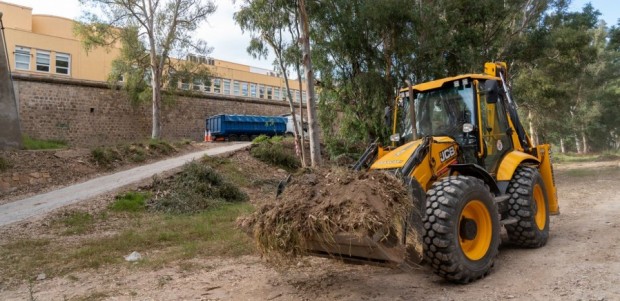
471,169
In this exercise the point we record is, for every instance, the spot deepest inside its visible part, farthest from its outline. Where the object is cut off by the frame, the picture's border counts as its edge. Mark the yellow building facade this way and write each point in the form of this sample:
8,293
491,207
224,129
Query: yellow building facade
44,46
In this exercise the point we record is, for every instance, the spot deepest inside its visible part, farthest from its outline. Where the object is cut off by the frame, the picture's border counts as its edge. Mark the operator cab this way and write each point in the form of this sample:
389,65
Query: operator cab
470,109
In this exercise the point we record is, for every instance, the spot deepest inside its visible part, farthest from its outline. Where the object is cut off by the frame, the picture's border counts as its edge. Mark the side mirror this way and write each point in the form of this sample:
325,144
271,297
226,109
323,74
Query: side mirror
491,89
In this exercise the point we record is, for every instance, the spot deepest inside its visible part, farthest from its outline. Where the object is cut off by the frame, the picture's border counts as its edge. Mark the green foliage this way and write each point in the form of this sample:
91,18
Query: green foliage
196,188
105,156
130,202
260,139
35,144
4,164
161,146
272,151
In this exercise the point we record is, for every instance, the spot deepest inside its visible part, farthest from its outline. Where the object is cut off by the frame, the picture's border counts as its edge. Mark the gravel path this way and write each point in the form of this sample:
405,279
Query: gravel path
42,203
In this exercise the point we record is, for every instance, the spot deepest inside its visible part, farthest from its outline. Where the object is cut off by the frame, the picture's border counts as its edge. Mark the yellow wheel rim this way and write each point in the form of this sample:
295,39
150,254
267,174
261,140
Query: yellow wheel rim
476,247
541,211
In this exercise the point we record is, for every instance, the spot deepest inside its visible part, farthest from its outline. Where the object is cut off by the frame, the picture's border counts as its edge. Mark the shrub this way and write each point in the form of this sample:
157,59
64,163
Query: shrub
161,146
105,156
275,154
260,139
4,164
196,188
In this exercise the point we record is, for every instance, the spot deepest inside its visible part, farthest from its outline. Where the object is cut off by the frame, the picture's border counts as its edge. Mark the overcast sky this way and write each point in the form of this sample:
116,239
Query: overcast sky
226,38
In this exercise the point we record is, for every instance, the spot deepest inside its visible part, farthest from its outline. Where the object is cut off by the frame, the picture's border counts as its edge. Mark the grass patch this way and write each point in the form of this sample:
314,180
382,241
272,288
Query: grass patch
34,144
196,188
75,222
130,202
4,164
175,237
576,158
272,151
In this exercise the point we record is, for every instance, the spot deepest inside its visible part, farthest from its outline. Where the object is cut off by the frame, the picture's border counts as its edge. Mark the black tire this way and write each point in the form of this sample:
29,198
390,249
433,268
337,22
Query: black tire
532,228
446,229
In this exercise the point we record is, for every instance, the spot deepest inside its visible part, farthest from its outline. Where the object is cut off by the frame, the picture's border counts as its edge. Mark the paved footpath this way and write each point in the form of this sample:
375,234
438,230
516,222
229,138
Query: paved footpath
46,202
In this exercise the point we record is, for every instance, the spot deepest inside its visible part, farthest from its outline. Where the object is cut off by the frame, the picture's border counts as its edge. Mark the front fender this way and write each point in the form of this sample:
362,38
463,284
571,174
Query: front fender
511,162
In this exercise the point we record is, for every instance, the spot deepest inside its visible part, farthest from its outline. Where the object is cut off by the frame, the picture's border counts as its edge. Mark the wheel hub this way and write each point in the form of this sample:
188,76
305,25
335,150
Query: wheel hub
468,229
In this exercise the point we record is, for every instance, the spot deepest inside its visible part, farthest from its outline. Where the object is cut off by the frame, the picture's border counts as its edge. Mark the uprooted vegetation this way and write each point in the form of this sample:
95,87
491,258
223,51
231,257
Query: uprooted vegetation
275,151
317,205
196,188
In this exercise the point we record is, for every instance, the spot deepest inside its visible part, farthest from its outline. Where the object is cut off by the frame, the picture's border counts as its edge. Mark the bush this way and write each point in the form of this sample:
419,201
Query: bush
161,146
196,188
4,164
260,139
274,153
130,202
34,144
105,156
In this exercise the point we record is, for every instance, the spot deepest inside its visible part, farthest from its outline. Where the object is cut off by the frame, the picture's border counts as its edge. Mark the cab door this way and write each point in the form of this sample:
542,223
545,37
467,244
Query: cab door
494,130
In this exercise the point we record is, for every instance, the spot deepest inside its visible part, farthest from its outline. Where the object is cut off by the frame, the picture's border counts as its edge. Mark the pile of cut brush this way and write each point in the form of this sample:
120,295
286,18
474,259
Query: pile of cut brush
322,203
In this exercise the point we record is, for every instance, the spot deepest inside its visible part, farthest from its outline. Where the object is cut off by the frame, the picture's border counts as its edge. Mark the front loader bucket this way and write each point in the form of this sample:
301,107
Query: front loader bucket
383,249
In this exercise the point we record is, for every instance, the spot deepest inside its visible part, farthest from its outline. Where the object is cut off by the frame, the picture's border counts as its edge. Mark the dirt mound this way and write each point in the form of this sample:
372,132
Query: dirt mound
323,203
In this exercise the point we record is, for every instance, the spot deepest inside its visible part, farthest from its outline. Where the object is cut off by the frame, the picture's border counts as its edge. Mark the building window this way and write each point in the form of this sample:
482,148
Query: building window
297,98
236,88
284,94
276,93
216,85
43,61
197,85
63,63
269,92
22,58
184,84
261,91
253,90
303,97
227,87
244,89
208,86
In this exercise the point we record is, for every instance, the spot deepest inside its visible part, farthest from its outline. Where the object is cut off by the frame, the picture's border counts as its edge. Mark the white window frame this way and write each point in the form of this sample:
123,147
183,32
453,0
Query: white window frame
261,91
197,85
23,52
226,86
217,85
253,90
269,92
43,53
68,68
245,89
276,93
236,88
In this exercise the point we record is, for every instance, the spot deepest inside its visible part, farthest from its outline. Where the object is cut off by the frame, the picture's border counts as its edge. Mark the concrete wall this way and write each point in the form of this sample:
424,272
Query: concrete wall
10,136
91,114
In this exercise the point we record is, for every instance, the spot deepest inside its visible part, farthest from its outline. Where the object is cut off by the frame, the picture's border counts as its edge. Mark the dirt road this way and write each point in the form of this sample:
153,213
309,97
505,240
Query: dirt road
580,262
42,203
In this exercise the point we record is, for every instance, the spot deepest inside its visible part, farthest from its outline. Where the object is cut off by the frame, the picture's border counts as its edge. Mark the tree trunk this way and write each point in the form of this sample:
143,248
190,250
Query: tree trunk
315,147
155,79
584,140
577,144
292,108
301,116
562,147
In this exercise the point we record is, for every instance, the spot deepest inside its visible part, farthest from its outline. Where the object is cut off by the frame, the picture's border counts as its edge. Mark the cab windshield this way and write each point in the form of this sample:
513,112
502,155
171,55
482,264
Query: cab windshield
440,112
